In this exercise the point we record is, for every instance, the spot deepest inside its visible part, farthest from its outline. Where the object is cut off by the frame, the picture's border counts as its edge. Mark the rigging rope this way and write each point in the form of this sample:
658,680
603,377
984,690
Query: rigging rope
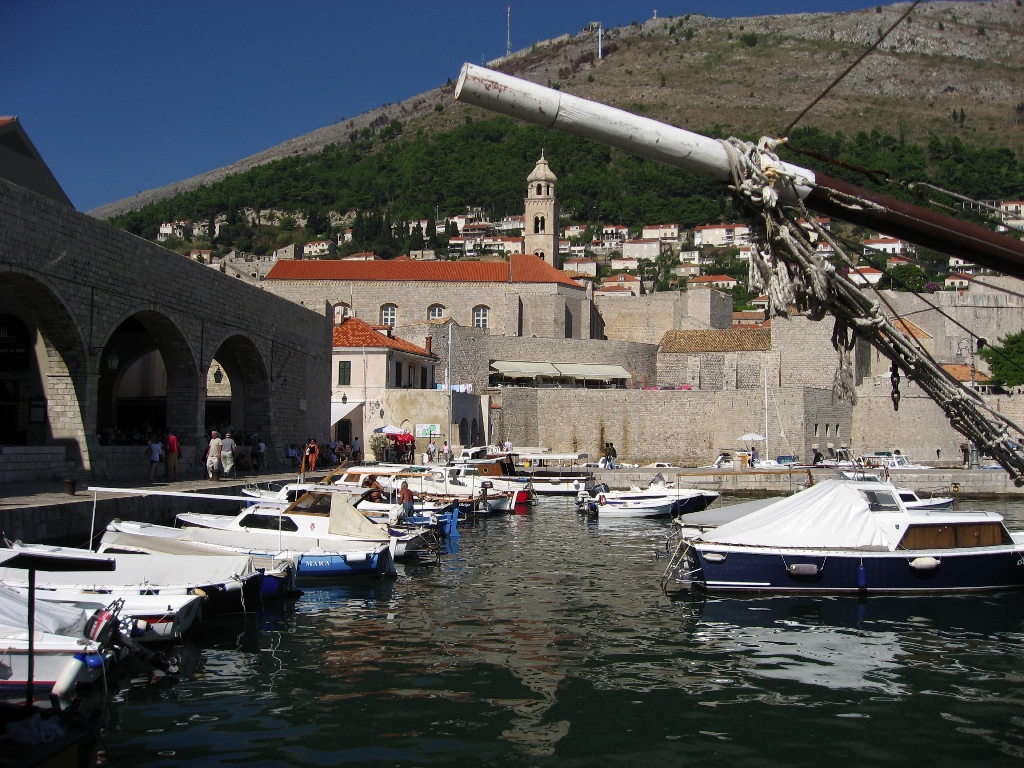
786,265
849,69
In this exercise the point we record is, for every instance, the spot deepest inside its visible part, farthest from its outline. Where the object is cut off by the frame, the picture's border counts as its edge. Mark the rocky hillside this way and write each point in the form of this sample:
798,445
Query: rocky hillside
951,68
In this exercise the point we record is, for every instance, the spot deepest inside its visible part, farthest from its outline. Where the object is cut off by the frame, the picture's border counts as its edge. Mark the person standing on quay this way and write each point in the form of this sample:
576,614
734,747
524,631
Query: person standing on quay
228,448
153,450
213,456
356,450
261,454
171,457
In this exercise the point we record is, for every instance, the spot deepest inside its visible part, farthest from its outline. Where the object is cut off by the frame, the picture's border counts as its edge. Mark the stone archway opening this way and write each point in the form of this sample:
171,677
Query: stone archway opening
44,375
147,381
238,393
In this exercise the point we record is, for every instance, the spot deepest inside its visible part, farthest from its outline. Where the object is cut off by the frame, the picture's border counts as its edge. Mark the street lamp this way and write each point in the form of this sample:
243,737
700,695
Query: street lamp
966,344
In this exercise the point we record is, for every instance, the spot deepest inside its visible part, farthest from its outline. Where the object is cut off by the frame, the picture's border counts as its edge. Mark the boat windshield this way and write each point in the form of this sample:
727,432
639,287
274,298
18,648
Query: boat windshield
313,504
880,501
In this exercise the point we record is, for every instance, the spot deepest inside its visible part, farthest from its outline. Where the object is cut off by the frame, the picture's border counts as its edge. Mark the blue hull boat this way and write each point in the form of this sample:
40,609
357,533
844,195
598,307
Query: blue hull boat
844,536
901,572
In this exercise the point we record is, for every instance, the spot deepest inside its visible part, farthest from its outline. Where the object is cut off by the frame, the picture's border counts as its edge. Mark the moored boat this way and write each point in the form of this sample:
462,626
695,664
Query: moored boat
852,537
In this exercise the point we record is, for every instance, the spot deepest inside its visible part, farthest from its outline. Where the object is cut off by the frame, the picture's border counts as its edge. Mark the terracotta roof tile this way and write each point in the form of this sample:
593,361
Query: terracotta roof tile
717,340
521,268
962,373
909,328
353,332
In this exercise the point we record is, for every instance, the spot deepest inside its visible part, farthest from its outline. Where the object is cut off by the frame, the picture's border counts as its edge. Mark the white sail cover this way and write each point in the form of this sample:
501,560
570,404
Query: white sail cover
831,515
346,520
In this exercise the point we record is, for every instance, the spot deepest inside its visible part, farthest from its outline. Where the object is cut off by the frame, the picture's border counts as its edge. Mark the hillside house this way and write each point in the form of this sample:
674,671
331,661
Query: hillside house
641,249
723,282
721,235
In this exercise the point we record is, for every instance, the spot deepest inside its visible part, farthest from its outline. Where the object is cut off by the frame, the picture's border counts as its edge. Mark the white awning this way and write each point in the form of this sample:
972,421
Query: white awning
592,371
520,368
340,410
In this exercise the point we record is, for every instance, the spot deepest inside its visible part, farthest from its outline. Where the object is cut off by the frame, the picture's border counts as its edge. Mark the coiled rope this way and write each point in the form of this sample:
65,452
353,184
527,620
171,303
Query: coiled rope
786,265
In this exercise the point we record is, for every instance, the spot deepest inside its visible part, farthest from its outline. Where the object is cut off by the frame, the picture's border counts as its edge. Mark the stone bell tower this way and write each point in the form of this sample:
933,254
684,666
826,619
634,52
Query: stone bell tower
540,222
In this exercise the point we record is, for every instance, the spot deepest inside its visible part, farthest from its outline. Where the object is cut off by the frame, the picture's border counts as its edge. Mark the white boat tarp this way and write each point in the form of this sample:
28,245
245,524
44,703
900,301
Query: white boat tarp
49,617
346,520
138,570
831,514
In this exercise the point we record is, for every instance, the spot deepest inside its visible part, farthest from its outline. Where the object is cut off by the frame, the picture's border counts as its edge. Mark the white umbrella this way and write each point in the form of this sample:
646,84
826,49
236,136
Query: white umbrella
750,436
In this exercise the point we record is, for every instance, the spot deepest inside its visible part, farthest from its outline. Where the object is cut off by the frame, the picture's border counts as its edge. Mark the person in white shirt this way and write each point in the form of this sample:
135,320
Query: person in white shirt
227,454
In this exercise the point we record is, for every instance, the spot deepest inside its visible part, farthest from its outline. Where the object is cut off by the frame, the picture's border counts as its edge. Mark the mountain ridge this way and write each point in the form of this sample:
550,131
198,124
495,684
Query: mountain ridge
747,75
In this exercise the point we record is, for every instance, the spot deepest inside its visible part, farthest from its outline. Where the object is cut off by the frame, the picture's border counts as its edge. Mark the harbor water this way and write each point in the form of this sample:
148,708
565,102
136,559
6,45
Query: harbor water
546,639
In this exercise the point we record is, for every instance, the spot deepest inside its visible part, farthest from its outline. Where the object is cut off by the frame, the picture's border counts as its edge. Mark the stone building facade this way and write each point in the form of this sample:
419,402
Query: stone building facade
92,300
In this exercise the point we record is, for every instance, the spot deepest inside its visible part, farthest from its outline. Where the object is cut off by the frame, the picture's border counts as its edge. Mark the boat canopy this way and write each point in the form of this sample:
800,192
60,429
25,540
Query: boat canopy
831,514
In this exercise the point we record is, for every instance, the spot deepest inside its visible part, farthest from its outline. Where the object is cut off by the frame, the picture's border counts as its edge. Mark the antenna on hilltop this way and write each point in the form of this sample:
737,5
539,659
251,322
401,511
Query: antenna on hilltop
508,36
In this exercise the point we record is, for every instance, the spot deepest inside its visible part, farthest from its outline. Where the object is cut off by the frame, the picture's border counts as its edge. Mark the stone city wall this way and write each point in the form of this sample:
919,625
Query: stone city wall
687,428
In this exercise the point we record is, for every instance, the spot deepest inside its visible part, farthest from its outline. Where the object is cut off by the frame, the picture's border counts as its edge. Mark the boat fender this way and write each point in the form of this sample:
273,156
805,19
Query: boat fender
803,569
199,591
715,557
925,563
68,677
862,577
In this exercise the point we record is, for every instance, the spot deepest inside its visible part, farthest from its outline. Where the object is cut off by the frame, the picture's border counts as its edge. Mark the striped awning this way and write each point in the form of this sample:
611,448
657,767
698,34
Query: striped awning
523,368
589,371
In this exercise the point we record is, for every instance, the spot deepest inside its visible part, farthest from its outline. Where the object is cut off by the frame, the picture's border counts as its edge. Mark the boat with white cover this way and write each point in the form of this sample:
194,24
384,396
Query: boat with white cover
328,539
327,517
841,536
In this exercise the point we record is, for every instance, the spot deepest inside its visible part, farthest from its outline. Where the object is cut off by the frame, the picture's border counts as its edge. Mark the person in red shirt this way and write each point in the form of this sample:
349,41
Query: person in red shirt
171,453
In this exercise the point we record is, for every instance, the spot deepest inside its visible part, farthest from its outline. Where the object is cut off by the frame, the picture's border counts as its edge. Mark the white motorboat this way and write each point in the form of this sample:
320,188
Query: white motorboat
55,645
318,519
322,533
891,461
682,500
632,508
226,585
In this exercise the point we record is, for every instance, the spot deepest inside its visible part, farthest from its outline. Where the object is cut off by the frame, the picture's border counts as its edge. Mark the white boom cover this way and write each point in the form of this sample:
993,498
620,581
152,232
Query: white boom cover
829,515
346,520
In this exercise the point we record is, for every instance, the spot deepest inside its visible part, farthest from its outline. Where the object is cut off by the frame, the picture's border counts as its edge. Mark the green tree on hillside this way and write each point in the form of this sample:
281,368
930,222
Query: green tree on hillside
1005,359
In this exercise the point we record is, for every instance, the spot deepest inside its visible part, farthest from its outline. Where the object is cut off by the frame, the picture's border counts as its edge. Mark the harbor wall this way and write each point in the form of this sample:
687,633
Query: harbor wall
684,428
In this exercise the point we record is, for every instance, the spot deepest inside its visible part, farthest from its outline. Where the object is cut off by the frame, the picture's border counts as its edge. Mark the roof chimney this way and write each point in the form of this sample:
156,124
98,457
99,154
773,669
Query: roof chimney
428,341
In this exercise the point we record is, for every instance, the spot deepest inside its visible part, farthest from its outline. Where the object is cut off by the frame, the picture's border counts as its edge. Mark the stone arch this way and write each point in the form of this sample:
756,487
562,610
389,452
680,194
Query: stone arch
244,366
172,398
58,369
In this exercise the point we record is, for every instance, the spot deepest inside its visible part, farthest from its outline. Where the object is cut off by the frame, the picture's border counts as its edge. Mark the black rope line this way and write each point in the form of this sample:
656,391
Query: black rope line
847,71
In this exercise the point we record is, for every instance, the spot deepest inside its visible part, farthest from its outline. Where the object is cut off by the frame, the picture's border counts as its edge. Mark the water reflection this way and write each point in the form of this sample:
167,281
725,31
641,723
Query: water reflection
869,645
545,639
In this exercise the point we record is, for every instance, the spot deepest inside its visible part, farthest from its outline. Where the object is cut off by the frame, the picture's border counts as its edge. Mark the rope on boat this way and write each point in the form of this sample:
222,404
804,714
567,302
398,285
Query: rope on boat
786,265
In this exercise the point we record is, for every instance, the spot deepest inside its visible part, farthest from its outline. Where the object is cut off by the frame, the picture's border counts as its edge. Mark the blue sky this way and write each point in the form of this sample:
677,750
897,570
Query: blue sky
125,95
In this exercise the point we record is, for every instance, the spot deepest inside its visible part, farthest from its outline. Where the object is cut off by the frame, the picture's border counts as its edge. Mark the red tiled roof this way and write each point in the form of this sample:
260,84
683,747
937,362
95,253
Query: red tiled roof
353,332
962,373
909,328
521,268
